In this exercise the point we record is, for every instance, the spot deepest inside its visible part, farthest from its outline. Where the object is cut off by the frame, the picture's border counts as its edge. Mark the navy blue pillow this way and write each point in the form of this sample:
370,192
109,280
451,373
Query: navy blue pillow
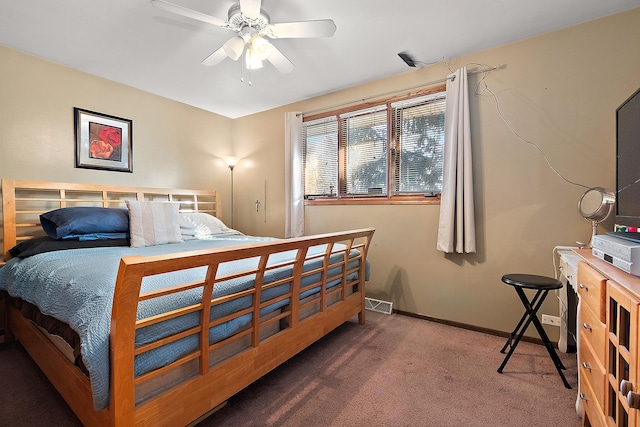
39,245
64,222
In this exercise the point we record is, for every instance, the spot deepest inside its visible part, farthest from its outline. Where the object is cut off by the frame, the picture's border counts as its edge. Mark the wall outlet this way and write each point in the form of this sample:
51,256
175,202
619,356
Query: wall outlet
550,320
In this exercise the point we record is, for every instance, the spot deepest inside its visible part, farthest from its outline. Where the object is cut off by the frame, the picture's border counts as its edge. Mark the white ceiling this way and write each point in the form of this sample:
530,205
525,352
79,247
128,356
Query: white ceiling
134,43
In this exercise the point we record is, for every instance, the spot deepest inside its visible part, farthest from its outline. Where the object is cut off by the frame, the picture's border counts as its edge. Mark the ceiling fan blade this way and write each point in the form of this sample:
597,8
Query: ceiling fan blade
280,61
215,58
302,29
250,8
234,47
189,13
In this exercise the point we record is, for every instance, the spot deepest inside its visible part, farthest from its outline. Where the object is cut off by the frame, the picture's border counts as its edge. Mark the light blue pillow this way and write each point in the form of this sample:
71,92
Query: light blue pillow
96,236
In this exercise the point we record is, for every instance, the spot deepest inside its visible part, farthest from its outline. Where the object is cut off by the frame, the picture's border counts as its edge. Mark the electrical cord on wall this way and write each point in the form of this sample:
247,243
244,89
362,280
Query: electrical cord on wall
481,88
495,98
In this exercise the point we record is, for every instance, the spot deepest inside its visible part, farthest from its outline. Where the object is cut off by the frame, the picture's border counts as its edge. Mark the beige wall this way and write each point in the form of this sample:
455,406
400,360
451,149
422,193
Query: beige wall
174,145
558,90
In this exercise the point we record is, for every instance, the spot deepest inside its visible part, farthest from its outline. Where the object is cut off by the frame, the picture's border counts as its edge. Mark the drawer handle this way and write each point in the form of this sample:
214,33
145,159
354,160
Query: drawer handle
585,365
586,288
583,396
626,387
587,326
633,399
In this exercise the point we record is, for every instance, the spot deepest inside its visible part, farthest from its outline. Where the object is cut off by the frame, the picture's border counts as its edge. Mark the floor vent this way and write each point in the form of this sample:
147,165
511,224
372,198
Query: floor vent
385,307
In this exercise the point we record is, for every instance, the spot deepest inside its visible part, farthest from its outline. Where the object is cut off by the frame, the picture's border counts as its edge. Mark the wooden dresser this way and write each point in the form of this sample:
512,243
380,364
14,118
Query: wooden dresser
608,343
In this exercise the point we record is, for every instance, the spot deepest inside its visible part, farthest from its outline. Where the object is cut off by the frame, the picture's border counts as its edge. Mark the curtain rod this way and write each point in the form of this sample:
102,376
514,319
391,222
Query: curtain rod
483,70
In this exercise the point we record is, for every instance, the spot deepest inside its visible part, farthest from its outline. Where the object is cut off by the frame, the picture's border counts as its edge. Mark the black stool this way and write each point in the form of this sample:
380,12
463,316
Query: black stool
542,285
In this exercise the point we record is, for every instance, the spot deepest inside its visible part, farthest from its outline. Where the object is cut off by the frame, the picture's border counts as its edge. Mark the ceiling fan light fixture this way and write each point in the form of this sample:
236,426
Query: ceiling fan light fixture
253,27
260,48
234,47
251,61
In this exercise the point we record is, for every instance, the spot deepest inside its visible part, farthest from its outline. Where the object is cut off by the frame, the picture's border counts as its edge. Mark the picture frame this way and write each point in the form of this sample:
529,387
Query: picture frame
103,141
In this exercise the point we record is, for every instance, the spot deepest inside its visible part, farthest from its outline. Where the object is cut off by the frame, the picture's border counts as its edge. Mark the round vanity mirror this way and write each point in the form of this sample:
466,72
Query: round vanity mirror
595,205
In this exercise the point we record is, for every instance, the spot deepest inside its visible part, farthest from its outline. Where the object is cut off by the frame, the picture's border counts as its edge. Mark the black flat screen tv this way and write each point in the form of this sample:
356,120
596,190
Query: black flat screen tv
627,211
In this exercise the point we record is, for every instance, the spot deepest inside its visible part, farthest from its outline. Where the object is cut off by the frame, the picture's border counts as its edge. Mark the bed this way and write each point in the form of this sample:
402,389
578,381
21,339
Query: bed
163,334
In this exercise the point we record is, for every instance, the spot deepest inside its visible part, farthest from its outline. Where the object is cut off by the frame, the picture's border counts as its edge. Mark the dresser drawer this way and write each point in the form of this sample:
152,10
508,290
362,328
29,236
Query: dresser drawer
592,409
592,370
592,289
593,330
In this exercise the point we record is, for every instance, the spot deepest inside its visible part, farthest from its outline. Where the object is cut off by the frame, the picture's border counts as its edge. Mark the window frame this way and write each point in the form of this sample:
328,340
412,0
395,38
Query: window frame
390,197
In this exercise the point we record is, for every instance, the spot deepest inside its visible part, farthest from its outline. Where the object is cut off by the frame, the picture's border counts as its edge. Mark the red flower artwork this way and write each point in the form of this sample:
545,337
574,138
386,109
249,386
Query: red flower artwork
99,149
102,141
110,135
105,142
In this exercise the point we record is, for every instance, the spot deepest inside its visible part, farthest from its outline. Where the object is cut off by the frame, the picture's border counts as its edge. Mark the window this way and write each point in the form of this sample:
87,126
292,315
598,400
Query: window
320,157
390,151
419,144
365,145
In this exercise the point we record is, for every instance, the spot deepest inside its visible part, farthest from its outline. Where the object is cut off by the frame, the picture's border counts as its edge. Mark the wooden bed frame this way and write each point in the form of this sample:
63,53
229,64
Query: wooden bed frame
193,398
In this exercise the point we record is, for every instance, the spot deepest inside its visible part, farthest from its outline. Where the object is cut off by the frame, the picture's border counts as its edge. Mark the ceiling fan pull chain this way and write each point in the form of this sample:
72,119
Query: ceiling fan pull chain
242,71
250,69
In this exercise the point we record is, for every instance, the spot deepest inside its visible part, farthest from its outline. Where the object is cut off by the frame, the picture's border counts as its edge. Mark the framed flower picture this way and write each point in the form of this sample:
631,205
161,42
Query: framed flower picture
103,141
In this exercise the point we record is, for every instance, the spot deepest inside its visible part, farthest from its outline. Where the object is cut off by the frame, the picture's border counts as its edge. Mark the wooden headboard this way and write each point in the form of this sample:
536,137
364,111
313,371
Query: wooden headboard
24,201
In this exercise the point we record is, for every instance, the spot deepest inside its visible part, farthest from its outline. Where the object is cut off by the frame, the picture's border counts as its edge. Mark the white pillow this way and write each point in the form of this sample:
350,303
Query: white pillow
153,223
201,224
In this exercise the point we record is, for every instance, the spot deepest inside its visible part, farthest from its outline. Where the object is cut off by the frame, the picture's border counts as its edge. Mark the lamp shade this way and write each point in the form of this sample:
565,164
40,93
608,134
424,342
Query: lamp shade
260,48
231,161
234,47
252,61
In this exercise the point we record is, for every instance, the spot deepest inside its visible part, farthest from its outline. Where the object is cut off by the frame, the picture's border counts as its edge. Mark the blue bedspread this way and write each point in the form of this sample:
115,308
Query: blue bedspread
77,287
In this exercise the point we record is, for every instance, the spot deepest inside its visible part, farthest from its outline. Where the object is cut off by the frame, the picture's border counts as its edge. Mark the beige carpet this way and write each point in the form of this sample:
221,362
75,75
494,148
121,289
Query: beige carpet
393,371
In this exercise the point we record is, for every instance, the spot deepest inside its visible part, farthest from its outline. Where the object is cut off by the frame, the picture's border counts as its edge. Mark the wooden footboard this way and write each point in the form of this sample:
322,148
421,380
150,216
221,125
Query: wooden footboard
335,281
214,384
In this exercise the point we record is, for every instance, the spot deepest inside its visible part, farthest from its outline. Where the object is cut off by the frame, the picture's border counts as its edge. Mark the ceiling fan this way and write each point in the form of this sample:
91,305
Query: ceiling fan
253,26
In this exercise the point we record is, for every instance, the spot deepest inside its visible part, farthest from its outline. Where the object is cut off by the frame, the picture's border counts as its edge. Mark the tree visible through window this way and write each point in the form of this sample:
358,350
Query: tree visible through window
391,150
419,138
365,140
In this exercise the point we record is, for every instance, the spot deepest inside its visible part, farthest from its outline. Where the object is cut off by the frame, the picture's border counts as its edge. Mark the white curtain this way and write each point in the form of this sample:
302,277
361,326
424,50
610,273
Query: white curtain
293,181
456,230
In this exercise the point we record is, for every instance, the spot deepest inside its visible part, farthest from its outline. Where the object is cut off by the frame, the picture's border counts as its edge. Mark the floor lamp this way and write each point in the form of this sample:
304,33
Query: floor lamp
231,162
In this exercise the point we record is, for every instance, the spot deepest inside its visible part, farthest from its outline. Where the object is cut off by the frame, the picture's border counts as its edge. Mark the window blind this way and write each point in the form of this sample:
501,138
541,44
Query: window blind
418,144
320,157
364,162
